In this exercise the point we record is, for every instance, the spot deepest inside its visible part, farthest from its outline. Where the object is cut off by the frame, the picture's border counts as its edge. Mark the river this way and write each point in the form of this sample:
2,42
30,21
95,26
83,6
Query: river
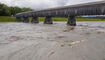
26,41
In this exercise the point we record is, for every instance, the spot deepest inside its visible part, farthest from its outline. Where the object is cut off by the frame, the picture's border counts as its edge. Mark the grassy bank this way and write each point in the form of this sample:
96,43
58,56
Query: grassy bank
90,19
11,19
7,19
77,18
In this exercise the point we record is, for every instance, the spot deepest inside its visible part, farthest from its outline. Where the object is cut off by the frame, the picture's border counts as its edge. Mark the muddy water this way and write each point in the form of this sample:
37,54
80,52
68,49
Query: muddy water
23,41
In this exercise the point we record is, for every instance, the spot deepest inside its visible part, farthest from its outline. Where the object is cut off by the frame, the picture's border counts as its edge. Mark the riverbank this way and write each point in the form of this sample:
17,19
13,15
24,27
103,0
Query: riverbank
7,19
11,19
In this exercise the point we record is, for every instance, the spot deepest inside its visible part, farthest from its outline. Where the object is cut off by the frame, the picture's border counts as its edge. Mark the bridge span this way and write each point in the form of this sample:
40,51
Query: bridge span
91,8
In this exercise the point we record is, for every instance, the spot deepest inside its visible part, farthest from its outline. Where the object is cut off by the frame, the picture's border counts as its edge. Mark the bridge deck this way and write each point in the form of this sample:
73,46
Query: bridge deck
77,5
90,8
70,6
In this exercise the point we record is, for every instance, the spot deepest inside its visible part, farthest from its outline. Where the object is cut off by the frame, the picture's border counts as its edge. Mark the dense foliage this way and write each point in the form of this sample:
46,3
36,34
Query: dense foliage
10,11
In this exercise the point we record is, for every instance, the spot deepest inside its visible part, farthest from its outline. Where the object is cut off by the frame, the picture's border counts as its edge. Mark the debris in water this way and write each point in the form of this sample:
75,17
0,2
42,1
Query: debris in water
69,29
85,25
15,38
65,30
62,45
51,53
88,33
99,32
60,37
75,42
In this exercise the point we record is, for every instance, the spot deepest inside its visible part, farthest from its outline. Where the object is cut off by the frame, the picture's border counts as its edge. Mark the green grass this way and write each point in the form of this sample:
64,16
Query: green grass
7,19
77,18
11,19
90,19
54,19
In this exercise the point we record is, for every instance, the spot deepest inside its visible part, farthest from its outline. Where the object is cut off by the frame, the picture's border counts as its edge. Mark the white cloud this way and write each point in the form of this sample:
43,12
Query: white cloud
71,2
42,4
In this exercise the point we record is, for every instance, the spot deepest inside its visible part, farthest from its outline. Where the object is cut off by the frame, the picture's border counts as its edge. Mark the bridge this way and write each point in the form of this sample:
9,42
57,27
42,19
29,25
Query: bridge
91,8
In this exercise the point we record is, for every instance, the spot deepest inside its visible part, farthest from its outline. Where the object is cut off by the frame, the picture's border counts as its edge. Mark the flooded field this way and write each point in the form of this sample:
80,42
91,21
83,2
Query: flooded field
24,41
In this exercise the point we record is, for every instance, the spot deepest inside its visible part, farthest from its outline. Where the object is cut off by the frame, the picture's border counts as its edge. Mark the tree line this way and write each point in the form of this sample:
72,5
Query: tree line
12,10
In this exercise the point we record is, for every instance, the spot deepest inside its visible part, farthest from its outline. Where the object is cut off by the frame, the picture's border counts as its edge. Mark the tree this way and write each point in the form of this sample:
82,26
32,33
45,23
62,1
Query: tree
8,11
26,9
15,10
4,10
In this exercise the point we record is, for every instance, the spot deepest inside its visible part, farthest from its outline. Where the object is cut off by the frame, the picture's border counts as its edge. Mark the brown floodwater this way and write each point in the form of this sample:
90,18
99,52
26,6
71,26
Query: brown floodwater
26,41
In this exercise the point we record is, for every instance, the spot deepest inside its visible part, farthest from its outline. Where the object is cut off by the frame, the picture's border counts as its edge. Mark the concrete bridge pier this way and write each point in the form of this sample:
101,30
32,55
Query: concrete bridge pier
71,21
35,20
48,20
18,18
26,20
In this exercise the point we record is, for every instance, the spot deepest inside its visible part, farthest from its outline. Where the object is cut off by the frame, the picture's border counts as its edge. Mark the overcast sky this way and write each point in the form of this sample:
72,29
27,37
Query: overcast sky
42,4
